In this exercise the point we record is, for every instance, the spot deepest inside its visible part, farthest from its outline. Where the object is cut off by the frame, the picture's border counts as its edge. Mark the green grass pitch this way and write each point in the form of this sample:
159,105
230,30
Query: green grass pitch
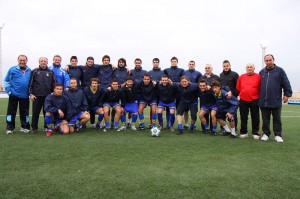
94,164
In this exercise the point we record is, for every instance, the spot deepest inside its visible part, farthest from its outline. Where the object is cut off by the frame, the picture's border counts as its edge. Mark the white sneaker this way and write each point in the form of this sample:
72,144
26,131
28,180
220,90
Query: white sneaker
278,139
9,132
256,137
243,135
24,130
133,127
122,128
93,126
264,138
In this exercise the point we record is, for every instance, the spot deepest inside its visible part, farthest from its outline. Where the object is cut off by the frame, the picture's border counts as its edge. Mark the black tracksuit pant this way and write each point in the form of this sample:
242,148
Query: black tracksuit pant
37,106
12,107
266,116
254,112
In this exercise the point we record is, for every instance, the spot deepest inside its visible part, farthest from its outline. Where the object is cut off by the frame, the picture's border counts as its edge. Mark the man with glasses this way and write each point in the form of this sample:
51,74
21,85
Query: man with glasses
16,85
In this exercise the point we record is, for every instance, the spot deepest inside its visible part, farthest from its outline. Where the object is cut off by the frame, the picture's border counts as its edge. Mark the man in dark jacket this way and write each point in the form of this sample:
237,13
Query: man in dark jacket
42,83
75,71
273,81
79,105
138,72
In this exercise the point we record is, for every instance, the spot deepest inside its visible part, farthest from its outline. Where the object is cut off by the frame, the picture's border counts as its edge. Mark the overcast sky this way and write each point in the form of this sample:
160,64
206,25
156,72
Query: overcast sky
207,31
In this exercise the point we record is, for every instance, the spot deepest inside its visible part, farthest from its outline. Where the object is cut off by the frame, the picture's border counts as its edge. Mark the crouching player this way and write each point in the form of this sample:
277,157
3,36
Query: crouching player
111,100
94,95
79,106
167,96
188,93
208,105
148,97
130,97
225,108
58,110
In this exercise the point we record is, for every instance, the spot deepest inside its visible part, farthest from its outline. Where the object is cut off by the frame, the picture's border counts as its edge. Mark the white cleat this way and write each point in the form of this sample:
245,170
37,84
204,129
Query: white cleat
256,137
278,139
243,135
264,138
122,128
8,132
24,130
93,126
133,127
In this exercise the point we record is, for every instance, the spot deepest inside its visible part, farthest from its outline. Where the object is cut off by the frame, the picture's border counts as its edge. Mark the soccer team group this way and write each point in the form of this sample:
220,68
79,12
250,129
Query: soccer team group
71,96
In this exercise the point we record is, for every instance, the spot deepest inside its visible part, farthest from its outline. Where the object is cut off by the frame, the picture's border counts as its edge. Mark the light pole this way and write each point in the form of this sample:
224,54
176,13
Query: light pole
1,86
263,46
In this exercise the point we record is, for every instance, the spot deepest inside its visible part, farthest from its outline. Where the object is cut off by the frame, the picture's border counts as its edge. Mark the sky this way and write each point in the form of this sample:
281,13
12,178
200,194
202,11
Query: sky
207,31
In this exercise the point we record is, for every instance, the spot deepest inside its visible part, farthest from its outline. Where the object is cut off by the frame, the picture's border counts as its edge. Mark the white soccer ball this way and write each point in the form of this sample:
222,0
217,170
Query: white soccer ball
155,132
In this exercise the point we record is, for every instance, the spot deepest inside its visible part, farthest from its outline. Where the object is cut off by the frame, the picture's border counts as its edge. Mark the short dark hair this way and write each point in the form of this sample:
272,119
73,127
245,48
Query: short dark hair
73,57
155,59
73,78
202,81
105,57
58,84
185,77
174,58
269,55
215,84
90,58
23,56
129,78
114,80
94,80
147,75
226,62
138,59
164,75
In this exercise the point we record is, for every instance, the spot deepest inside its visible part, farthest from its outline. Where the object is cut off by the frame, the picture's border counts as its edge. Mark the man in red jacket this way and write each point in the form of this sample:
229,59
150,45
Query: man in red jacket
248,86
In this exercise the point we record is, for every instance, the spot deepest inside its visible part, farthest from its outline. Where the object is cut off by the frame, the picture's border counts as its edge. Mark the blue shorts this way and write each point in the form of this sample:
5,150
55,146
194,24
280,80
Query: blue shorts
171,105
131,107
111,105
75,118
208,109
153,102
95,108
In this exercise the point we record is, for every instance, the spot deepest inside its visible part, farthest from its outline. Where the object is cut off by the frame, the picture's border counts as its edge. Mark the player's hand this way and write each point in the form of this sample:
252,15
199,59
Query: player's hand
229,95
229,115
32,98
66,68
208,87
285,99
61,114
154,82
109,88
67,89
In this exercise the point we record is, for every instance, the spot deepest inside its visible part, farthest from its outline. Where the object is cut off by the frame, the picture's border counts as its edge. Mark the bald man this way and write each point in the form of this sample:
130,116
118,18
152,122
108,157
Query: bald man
248,86
42,83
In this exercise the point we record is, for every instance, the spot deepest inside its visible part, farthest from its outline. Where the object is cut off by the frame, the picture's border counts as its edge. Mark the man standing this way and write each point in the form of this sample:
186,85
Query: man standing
248,86
16,85
62,77
138,72
229,78
42,83
75,71
273,81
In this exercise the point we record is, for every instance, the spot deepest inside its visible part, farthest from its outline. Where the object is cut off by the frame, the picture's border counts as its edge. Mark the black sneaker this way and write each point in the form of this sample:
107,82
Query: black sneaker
224,133
142,127
180,131
192,130
185,127
213,133
206,131
232,136
105,129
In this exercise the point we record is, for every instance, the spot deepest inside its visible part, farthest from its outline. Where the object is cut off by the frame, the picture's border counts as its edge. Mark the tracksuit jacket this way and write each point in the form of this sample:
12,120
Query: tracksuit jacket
78,100
105,75
211,78
207,98
75,72
272,83
167,93
229,78
88,73
189,94
113,96
156,74
94,99
54,102
193,75
174,73
120,74
130,94
42,82
137,74
148,92
226,105
62,77
16,82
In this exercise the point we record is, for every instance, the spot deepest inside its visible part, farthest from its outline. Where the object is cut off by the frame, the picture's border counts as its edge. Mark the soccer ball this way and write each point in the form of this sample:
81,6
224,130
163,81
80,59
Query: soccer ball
155,132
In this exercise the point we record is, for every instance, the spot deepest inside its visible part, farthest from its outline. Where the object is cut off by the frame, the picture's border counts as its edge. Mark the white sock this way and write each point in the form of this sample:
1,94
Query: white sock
226,128
233,131
128,121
